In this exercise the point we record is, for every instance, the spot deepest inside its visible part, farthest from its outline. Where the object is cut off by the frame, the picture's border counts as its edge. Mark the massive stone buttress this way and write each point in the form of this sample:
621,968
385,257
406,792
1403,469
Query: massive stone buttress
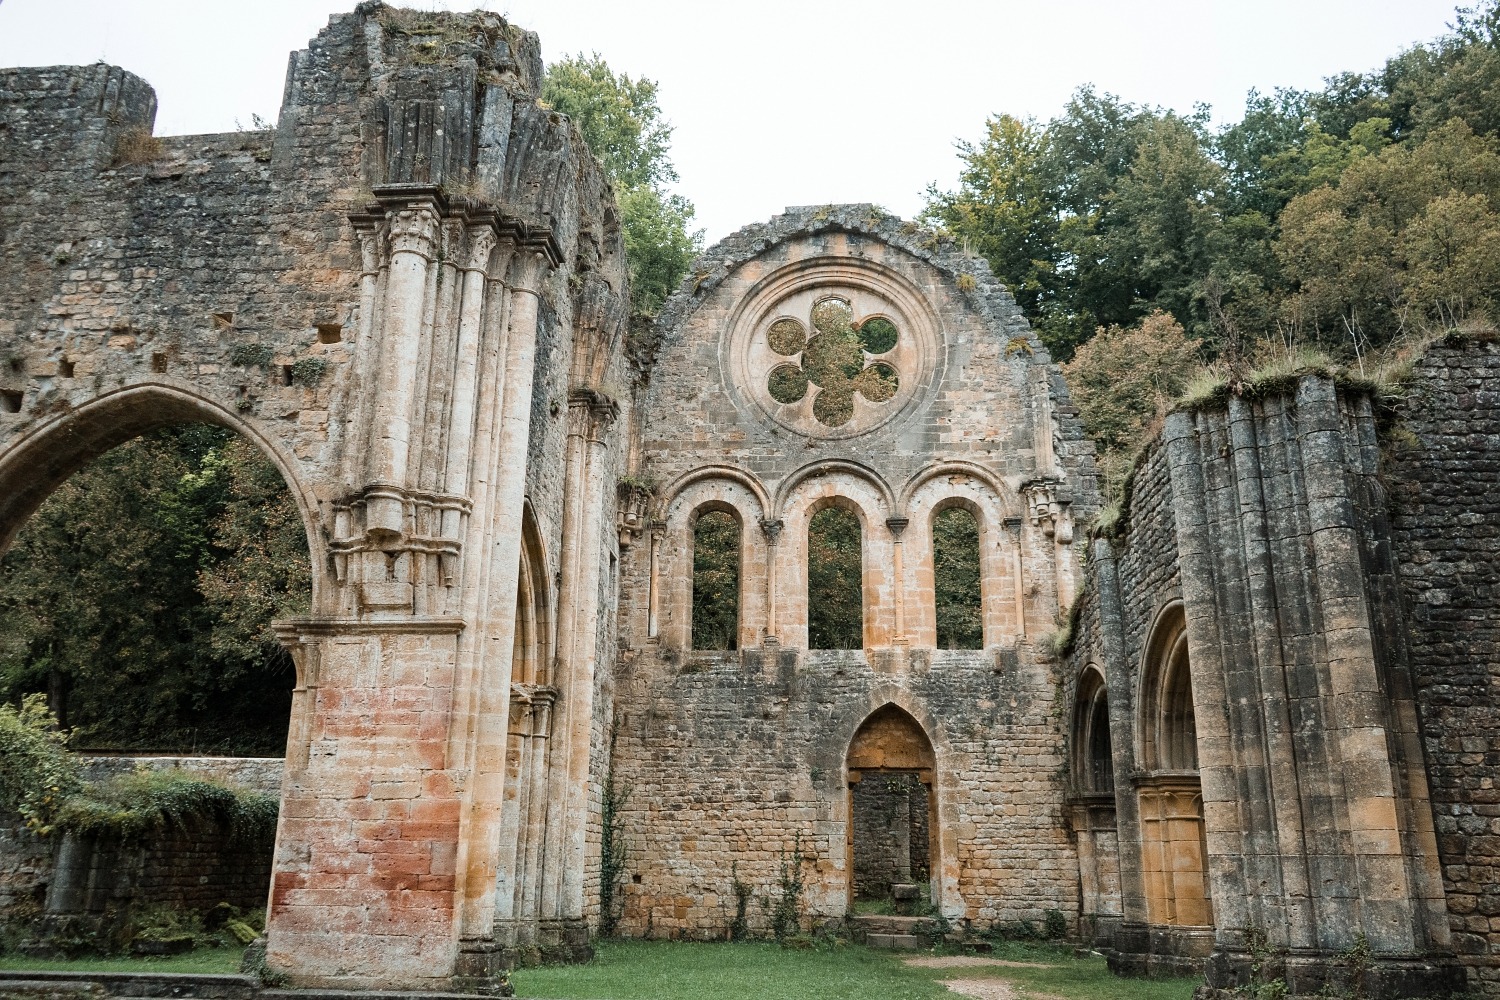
398,294
1269,789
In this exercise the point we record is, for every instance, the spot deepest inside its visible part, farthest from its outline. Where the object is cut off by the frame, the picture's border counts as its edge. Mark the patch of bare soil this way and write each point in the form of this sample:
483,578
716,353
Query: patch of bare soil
970,962
982,989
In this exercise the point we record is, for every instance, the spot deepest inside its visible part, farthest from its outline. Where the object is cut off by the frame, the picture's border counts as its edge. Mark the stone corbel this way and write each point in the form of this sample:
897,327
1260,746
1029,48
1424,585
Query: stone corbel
633,498
1048,508
590,414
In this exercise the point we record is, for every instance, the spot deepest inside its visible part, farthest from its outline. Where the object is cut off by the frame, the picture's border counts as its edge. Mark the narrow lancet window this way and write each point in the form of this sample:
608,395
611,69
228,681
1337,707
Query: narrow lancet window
955,570
835,581
716,581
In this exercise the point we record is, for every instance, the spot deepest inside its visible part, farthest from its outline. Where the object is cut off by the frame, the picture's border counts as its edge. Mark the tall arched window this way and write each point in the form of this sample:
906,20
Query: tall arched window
716,580
1174,854
835,581
1169,731
1093,756
955,573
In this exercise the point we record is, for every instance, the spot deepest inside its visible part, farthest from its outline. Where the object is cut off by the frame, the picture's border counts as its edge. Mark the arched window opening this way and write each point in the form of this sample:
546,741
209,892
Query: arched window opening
1174,857
139,597
1101,757
716,581
1093,755
835,581
955,571
1177,727
893,840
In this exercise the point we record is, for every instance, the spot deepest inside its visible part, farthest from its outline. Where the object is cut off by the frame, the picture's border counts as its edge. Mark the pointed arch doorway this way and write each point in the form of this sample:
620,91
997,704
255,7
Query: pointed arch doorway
893,830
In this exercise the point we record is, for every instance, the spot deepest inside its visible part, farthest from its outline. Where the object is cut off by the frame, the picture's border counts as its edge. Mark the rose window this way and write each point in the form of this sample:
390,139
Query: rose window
835,361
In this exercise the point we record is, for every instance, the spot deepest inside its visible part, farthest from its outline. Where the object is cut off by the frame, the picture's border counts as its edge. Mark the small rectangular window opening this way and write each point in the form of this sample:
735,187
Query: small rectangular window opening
65,368
159,363
10,401
286,374
223,321
17,366
330,333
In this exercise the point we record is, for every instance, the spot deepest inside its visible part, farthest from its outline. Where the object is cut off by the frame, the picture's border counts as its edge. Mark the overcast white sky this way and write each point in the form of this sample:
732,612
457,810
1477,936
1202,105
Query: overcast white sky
781,102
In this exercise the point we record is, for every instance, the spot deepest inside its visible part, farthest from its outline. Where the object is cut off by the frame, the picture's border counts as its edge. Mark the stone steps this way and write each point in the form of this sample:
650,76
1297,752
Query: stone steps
887,931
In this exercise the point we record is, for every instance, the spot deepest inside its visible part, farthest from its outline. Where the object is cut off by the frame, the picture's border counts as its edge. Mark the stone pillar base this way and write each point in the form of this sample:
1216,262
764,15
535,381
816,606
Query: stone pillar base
481,968
1158,952
564,941
1323,974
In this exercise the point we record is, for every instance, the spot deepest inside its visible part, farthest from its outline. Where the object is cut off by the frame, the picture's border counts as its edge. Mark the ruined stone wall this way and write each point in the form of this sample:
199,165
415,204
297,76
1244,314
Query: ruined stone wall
1264,516
402,294
1443,467
731,757
1131,578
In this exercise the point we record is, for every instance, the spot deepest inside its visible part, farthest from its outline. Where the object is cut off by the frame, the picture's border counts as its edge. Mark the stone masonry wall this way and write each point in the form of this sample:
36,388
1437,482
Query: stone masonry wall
1443,464
730,757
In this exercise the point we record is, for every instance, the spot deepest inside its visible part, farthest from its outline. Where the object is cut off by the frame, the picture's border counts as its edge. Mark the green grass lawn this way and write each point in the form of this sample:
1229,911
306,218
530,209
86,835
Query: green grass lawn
202,960
660,970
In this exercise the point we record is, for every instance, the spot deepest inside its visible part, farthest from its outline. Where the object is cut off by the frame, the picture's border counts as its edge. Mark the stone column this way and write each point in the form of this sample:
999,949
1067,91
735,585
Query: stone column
772,531
1012,527
896,526
414,233
1132,937
585,496
484,795
1222,816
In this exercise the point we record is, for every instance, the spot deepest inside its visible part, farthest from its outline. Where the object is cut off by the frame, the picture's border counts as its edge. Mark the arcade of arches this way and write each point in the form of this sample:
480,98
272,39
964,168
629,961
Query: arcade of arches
802,570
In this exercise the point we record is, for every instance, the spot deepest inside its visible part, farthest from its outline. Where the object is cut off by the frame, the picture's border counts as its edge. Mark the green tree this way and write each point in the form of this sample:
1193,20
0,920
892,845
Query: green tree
956,575
1005,206
835,581
1404,235
1123,380
102,604
716,581
622,124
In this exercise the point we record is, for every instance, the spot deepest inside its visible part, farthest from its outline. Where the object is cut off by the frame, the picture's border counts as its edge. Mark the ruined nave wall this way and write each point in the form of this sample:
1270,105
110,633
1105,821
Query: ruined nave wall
1442,462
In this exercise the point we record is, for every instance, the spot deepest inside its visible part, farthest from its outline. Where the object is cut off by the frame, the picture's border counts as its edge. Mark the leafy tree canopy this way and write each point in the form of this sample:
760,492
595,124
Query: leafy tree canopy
1340,217
621,121
139,597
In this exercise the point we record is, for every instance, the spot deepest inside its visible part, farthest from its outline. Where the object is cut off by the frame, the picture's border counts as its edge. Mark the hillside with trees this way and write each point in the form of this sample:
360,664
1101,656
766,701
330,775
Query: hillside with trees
1352,220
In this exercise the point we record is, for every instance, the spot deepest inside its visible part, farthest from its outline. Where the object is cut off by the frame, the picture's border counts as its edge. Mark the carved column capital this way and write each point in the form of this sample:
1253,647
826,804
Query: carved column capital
528,269
590,414
772,529
482,242
414,229
896,525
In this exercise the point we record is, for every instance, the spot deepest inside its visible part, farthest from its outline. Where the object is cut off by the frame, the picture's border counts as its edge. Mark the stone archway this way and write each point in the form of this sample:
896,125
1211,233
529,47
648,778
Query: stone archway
412,315
893,837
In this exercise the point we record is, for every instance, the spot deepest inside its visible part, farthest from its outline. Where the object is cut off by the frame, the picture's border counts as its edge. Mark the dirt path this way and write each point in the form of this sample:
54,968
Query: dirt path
983,989
970,962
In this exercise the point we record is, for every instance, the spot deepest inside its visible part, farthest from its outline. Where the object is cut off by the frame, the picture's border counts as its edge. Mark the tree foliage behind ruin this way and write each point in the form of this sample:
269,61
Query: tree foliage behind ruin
1343,217
622,123
139,597
1362,217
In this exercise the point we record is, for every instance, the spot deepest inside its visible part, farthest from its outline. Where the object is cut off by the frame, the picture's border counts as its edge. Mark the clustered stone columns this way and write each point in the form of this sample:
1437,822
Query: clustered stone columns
1319,840
387,857
586,493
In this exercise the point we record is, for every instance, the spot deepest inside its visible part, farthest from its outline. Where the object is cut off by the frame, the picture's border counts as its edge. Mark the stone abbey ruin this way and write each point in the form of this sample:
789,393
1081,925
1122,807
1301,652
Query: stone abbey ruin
1270,736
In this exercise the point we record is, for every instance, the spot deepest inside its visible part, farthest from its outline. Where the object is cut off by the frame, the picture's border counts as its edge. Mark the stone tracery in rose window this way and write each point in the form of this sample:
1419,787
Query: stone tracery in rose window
836,362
